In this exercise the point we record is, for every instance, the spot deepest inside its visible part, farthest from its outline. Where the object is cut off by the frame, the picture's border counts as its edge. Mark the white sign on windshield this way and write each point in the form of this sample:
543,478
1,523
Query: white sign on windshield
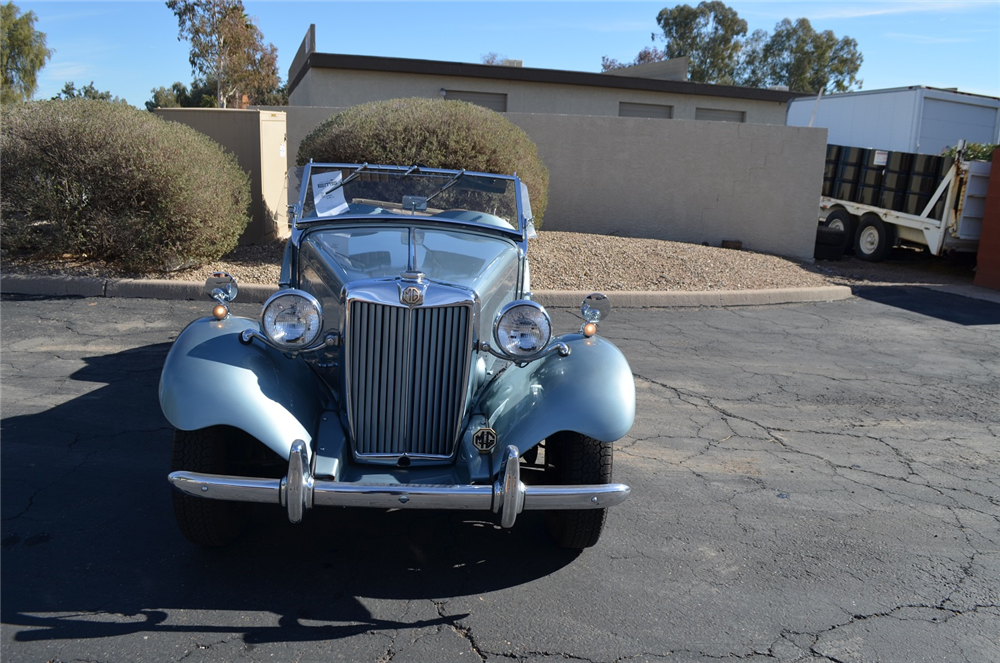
328,202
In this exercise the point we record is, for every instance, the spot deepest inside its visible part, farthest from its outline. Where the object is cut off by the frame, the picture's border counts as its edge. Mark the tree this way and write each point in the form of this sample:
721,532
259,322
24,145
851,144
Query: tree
645,56
228,48
201,95
88,91
799,57
22,54
709,35
492,58
167,97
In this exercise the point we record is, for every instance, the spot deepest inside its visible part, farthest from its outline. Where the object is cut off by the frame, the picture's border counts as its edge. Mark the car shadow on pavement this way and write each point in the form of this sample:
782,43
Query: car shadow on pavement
90,548
945,306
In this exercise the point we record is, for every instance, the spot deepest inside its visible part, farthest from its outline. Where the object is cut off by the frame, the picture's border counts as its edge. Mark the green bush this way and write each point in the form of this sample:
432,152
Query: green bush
431,132
110,182
973,151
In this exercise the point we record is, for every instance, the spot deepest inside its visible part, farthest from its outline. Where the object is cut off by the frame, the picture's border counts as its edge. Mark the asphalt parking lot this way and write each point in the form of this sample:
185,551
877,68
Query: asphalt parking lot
814,481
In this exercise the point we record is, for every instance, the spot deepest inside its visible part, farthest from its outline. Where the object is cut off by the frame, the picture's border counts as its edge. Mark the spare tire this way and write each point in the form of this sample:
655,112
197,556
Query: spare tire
830,243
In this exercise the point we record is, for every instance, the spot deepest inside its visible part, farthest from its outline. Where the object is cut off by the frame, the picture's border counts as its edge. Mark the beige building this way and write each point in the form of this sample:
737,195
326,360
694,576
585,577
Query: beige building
656,90
640,152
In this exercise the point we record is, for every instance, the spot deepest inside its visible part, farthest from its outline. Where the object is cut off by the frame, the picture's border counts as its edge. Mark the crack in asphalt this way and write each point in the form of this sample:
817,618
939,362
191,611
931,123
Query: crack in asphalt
464,632
774,434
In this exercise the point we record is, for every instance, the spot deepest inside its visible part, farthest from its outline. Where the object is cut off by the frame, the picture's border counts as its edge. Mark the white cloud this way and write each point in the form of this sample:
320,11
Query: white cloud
831,10
67,71
927,39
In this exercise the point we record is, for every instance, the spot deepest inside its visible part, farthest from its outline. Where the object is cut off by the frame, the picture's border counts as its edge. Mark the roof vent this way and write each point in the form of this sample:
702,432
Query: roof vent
512,63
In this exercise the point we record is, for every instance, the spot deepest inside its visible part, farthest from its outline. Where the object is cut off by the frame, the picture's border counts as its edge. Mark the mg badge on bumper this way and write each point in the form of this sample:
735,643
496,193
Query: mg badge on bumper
484,439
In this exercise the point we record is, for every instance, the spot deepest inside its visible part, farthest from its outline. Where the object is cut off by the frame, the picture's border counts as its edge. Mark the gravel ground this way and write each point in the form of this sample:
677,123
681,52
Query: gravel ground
577,261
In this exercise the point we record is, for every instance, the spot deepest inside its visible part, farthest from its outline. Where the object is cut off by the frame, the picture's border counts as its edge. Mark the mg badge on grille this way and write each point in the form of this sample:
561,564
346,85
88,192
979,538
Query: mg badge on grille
484,439
411,296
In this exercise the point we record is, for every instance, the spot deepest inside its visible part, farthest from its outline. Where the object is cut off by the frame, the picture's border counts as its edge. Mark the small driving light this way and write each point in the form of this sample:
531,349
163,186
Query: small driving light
292,319
589,329
522,329
220,312
595,307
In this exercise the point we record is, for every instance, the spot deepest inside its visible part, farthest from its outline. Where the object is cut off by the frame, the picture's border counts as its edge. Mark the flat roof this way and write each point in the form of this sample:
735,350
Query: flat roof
890,90
530,75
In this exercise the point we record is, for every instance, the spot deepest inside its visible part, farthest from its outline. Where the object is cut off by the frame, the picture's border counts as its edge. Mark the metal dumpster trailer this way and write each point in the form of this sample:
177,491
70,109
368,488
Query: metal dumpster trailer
874,230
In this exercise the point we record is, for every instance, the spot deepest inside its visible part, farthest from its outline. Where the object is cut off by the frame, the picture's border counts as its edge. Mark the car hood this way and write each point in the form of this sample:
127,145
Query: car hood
472,261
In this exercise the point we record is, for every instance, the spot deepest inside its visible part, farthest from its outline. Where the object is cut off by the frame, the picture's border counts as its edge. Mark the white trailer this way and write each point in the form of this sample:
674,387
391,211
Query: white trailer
875,230
917,119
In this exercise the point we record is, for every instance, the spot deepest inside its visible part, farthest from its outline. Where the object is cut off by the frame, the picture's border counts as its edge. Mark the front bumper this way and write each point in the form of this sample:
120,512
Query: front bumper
299,491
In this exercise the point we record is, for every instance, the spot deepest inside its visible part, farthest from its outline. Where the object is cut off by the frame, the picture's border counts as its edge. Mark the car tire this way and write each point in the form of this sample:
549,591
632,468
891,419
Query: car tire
872,240
202,521
573,459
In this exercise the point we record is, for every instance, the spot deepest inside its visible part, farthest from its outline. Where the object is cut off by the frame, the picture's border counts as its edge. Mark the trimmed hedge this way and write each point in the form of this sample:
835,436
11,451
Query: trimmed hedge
107,181
431,132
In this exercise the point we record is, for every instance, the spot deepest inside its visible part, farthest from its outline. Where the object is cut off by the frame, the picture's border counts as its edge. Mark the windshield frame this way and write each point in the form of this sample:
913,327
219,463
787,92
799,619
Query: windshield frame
401,216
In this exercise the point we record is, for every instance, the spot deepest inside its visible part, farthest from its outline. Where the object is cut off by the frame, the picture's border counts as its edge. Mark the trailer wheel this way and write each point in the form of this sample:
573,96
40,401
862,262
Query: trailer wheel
872,240
840,219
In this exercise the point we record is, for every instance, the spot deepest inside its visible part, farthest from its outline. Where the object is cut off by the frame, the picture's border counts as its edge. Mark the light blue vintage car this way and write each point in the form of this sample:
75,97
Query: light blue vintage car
401,364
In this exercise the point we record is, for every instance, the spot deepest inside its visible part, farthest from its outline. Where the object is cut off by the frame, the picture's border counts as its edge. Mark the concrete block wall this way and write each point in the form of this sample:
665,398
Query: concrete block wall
681,180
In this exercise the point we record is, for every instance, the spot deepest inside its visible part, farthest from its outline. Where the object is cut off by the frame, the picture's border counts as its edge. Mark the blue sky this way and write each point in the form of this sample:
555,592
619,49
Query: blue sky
131,47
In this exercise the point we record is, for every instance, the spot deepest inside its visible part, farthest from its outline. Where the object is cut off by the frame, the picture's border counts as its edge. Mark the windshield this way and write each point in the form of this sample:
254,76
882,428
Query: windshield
335,190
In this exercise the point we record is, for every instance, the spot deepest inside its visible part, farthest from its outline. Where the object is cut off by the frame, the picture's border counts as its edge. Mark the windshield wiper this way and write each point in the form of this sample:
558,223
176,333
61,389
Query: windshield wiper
447,185
346,179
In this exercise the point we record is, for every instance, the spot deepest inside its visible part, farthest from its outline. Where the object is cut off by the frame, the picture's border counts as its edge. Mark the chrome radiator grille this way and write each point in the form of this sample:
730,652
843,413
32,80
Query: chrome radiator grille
407,375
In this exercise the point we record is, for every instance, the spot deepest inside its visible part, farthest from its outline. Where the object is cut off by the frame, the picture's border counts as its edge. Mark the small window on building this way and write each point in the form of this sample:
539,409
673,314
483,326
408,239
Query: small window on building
719,115
493,100
629,109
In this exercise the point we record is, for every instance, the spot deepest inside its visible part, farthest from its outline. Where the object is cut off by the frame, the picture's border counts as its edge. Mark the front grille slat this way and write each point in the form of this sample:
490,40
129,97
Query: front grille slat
407,377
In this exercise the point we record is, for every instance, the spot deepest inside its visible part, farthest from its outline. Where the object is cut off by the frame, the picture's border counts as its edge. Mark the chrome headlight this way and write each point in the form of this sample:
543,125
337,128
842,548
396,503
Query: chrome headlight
522,329
292,319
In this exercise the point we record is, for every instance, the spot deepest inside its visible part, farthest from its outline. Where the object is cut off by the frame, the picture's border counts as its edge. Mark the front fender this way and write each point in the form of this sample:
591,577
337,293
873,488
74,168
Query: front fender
210,378
591,391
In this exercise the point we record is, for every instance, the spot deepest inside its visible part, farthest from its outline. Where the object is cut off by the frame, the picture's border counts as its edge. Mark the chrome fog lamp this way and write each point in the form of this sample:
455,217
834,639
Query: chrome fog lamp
522,330
292,319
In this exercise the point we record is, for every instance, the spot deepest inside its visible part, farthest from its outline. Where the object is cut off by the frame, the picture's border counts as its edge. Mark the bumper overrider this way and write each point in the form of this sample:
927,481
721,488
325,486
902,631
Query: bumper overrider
299,491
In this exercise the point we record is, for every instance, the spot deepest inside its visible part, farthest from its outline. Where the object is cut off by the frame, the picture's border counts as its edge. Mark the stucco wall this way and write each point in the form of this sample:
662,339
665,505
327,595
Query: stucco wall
681,180
343,88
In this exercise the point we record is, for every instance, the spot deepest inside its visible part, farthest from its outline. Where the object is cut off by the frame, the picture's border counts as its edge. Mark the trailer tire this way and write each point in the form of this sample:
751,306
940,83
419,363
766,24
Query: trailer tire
841,219
872,240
